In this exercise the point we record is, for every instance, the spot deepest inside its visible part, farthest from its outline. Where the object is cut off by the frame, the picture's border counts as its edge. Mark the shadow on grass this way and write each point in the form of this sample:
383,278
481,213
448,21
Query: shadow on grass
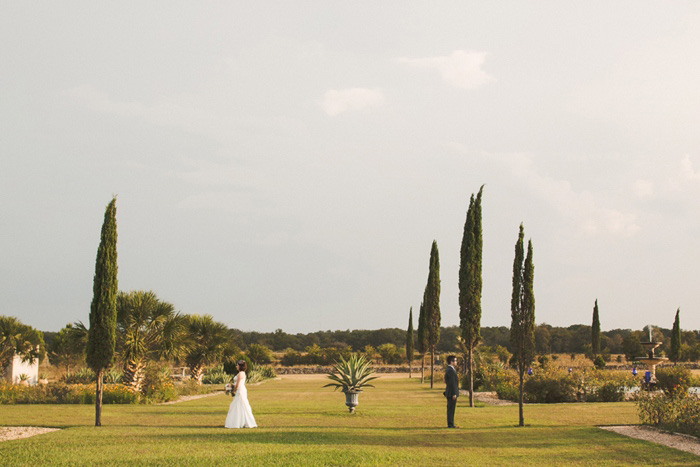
480,438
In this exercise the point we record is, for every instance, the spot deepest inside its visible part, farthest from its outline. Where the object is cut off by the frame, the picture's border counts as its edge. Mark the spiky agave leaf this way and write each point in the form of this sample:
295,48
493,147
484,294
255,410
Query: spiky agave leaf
352,374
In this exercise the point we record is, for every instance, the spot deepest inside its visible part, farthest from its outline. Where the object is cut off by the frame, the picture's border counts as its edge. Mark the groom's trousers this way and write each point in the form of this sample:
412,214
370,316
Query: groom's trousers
451,405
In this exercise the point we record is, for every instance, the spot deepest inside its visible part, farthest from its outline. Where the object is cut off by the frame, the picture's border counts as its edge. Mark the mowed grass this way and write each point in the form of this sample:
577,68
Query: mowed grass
400,422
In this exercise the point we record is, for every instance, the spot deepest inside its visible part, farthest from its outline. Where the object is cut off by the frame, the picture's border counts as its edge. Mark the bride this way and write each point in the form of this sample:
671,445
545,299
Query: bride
240,414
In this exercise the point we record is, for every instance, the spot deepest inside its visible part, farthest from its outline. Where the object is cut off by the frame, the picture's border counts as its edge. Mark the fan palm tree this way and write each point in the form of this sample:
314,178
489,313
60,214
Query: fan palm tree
17,338
67,348
148,329
209,342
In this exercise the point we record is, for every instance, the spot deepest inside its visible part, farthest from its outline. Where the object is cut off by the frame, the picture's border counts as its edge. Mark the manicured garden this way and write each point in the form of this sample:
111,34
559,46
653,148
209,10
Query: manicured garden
400,422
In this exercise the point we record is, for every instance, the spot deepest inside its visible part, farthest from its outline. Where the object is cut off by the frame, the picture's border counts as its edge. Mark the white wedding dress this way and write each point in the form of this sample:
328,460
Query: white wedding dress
240,415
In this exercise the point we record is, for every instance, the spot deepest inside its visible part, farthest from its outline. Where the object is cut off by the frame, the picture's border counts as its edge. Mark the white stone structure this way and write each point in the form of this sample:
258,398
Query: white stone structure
18,367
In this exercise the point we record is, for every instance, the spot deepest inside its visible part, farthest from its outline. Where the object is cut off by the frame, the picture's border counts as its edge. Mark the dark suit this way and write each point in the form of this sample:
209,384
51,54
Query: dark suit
451,389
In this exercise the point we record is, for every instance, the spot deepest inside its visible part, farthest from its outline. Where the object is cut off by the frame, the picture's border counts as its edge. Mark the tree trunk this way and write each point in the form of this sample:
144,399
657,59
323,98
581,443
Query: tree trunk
520,399
133,374
196,373
98,397
422,368
409,367
432,361
470,364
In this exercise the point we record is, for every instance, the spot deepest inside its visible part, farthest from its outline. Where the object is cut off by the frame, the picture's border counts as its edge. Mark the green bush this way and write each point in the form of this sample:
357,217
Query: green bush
191,387
550,387
258,353
605,386
113,376
291,357
673,379
79,376
230,366
608,392
599,362
507,391
216,375
479,380
260,373
157,385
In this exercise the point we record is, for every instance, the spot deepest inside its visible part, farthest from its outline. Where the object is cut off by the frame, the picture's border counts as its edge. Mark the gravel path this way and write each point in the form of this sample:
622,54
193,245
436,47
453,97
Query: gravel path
488,398
647,433
8,433
191,398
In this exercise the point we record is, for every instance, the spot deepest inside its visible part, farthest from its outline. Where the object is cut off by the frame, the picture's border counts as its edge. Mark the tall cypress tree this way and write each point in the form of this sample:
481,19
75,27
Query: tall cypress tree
675,352
595,331
103,310
422,342
432,306
470,285
409,342
522,306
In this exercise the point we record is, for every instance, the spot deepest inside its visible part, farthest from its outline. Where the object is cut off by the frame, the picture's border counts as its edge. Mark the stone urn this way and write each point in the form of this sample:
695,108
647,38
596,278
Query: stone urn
351,400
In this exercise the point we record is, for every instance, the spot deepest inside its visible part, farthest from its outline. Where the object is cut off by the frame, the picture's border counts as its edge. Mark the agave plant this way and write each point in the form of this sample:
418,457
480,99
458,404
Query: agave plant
351,376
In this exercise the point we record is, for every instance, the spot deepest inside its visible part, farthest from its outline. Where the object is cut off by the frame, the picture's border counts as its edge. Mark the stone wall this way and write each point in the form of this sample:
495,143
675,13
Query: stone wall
314,370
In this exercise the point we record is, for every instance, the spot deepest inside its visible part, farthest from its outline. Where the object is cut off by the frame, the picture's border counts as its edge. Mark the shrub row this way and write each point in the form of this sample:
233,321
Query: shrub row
61,393
555,386
676,411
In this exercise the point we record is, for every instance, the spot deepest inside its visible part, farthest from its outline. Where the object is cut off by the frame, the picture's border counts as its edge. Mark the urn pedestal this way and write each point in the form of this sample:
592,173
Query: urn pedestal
351,400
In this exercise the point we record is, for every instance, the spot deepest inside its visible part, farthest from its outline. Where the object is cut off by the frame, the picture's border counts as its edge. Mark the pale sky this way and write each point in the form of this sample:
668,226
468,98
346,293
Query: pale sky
288,164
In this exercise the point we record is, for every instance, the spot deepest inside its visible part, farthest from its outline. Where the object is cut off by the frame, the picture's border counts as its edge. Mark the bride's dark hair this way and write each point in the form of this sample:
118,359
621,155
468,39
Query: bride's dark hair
242,366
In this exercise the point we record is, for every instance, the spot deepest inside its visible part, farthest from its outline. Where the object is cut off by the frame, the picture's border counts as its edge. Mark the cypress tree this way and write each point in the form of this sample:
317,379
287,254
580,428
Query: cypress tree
103,309
470,285
432,306
675,352
522,305
422,343
409,342
595,331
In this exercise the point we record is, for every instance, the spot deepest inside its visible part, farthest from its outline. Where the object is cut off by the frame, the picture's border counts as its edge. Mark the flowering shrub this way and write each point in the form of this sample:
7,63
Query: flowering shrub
673,379
675,411
60,393
191,387
157,385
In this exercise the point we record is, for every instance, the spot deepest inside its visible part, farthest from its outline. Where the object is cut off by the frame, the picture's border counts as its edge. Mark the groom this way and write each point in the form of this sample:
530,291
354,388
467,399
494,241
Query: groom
451,390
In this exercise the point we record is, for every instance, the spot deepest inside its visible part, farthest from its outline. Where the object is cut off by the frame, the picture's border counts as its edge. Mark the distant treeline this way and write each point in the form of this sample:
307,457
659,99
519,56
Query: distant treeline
548,339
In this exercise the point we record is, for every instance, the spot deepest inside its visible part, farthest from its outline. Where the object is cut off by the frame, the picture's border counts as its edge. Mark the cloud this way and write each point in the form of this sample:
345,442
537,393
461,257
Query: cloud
583,210
643,188
338,101
688,170
461,69
168,111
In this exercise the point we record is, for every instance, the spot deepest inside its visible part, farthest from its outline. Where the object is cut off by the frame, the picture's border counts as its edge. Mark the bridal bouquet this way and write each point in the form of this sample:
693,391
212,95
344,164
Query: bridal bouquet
228,389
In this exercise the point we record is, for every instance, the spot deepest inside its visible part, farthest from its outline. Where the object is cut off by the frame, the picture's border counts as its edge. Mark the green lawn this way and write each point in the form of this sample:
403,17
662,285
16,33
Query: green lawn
398,423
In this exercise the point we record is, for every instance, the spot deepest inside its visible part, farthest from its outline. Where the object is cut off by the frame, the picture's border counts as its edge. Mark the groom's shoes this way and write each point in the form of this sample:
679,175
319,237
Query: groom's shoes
453,426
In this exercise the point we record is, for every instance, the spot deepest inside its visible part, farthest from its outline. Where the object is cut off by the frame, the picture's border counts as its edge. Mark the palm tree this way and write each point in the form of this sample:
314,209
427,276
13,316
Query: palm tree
18,339
148,329
67,348
209,342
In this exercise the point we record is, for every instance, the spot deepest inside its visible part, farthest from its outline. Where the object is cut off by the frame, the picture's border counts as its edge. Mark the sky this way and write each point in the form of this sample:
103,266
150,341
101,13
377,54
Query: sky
288,164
